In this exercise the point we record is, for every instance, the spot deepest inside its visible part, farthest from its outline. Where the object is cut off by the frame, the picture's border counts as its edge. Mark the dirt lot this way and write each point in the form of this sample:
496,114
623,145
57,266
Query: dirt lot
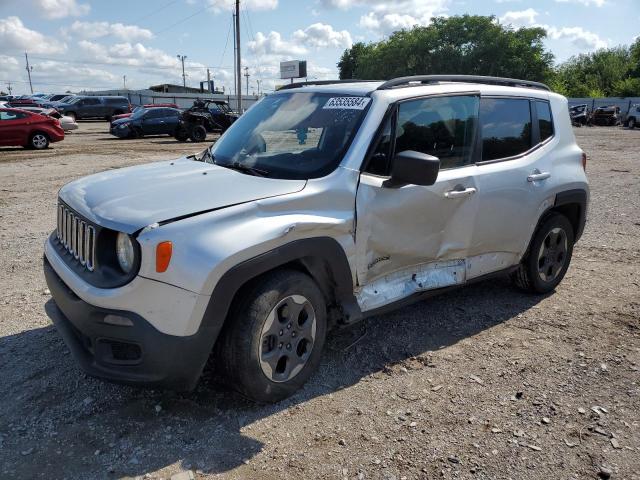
484,382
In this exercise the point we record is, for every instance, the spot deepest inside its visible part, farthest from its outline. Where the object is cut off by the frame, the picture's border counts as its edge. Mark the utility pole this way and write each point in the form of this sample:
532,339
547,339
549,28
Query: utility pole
258,81
238,58
9,87
246,74
29,70
124,81
182,58
235,55
209,81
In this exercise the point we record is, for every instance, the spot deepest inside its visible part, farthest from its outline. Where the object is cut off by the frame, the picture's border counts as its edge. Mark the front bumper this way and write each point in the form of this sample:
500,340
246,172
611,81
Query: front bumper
120,132
138,354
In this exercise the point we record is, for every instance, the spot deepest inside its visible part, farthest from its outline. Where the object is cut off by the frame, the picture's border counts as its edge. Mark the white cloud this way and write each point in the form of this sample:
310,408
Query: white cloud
519,18
387,16
104,29
578,36
15,36
54,9
323,35
273,44
586,3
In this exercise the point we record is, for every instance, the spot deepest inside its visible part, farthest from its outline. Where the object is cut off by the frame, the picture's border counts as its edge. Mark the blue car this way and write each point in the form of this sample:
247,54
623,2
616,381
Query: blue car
151,121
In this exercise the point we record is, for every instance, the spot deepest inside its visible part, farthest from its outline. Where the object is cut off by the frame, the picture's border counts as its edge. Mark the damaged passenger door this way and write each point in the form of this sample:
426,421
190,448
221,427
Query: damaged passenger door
410,237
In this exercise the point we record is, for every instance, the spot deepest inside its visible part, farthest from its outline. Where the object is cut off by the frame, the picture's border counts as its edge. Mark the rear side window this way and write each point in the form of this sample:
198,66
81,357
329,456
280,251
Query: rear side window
440,126
116,101
91,101
545,122
8,115
506,127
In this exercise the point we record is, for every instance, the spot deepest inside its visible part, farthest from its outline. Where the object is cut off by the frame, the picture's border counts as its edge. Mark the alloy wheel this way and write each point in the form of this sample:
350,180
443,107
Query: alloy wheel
287,338
552,255
39,141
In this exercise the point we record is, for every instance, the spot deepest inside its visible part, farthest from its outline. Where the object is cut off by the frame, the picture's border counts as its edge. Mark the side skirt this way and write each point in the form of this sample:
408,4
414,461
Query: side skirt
419,296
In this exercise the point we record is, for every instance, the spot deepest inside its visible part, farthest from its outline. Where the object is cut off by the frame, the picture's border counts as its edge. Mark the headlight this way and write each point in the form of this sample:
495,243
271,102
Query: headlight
125,252
123,125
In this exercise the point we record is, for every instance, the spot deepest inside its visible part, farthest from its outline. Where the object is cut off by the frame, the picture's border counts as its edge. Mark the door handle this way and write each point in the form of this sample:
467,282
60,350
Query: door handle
460,193
536,177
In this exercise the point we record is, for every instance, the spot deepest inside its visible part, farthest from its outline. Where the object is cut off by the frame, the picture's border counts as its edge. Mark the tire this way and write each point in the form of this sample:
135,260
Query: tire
181,134
198,133
631,123
549,256
273,338
137,132
39,141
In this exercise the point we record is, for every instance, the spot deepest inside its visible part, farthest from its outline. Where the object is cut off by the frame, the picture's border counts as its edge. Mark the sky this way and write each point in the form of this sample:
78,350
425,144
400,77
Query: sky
91,44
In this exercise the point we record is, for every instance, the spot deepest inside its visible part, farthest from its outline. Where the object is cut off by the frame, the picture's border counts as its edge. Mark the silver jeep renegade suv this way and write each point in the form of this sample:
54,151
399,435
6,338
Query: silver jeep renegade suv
325,203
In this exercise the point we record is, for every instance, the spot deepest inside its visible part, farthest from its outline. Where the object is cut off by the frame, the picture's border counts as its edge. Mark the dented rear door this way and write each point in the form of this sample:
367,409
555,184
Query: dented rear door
417,238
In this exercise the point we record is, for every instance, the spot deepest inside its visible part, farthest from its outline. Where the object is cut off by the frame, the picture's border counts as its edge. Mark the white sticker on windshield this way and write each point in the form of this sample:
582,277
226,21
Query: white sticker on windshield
348,103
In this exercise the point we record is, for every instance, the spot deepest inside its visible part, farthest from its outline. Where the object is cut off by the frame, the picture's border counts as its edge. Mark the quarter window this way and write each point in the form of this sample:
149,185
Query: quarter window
440,126
506,127
545,122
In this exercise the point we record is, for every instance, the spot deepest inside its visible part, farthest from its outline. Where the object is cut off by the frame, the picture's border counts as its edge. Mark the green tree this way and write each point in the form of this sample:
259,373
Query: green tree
474,45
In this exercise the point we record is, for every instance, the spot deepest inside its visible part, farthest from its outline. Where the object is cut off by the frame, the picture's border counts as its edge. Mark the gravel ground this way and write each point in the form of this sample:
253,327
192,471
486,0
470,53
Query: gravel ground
484,382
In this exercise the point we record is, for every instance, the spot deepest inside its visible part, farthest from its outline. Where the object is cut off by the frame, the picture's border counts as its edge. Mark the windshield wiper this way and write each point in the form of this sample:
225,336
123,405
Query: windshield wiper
240,167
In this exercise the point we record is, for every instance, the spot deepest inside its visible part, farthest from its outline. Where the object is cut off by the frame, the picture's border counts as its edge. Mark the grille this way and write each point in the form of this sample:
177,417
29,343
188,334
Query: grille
77,237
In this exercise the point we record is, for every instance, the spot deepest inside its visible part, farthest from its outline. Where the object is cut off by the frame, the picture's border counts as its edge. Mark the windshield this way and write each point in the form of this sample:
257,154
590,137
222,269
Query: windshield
292,135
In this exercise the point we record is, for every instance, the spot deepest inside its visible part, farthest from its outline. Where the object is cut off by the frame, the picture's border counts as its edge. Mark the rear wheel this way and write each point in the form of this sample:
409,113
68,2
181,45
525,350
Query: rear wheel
549,256
274,336
39,141
198,133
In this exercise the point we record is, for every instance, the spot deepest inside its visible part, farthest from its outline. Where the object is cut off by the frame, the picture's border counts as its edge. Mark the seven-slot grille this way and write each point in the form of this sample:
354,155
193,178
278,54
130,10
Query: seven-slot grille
77,237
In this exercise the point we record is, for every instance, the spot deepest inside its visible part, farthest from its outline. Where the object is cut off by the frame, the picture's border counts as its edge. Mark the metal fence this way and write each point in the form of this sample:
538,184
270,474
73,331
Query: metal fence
183,100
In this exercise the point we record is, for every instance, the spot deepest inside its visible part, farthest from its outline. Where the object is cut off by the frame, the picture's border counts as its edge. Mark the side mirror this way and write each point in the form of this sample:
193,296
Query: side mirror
413,168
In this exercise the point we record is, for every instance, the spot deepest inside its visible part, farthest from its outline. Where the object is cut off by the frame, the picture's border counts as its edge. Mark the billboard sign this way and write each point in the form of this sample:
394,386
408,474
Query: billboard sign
293,69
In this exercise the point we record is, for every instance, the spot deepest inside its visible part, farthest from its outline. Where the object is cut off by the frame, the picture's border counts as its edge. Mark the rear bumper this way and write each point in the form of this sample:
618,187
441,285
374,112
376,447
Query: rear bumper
138,354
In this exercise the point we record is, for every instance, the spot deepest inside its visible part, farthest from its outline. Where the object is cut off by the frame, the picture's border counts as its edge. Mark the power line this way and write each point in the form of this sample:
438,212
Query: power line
180,21
144,17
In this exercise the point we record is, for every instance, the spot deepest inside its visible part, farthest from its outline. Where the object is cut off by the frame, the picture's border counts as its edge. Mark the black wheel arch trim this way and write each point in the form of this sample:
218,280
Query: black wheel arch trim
324,259
579,197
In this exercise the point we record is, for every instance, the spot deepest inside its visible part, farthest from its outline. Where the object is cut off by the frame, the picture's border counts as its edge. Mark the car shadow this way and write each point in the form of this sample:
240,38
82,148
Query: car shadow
64,421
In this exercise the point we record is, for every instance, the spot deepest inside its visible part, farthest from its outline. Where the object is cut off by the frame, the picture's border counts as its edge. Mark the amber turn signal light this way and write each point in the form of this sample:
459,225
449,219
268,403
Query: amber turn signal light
163,256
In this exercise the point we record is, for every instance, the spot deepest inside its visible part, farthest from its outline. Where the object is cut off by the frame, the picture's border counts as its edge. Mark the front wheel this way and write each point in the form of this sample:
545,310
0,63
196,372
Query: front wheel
632,123
198,133
548,258
39,141
274,336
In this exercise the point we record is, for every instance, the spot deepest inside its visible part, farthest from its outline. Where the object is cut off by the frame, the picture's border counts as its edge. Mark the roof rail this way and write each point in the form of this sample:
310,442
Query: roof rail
426,79
321,82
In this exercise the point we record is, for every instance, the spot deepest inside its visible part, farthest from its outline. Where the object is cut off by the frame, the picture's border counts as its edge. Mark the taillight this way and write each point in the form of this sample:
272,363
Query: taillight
584,161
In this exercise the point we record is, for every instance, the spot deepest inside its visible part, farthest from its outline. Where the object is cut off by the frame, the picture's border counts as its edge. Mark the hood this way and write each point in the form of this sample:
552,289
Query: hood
129,199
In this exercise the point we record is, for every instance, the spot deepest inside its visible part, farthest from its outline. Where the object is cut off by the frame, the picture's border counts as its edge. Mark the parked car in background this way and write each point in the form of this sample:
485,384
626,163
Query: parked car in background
606,116
82,107
152,121
67,123
579,114
142,107
26,129
632,117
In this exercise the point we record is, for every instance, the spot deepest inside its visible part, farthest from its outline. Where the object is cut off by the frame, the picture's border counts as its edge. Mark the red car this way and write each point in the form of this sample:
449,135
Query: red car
31,130
148,105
